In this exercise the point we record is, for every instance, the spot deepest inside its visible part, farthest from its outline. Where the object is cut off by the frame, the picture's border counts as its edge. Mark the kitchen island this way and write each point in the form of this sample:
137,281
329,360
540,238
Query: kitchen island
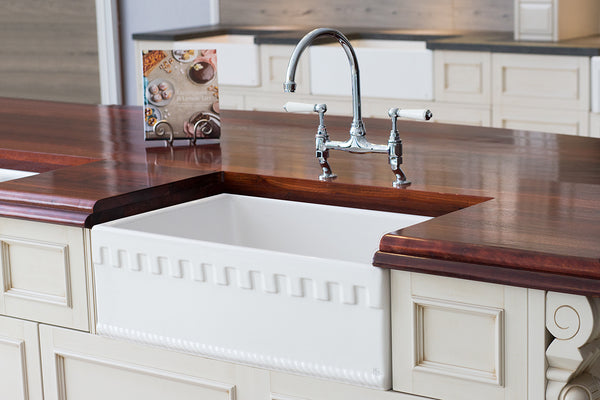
512,208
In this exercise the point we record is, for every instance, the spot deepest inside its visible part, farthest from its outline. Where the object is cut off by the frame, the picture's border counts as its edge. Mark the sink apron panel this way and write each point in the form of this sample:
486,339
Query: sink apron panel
322,317
319,325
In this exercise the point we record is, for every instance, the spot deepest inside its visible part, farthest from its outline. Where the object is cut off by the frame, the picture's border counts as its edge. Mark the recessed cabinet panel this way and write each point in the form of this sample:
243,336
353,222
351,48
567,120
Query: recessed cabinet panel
455,339
542,81
274,63
20,373
36,269
13,378
566,122
462,76
92,378
81,366
463,114
436,320
536,19
43,273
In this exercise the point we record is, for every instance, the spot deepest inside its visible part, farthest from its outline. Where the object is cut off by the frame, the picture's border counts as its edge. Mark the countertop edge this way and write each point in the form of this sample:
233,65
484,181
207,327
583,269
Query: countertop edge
495,42
503,275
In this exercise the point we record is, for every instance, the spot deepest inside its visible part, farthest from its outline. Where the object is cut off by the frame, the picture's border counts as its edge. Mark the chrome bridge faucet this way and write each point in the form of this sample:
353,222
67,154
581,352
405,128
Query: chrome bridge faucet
357,143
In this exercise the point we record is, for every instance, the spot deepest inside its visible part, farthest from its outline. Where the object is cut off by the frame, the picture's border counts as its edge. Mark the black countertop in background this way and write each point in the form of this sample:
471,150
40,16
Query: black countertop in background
497,42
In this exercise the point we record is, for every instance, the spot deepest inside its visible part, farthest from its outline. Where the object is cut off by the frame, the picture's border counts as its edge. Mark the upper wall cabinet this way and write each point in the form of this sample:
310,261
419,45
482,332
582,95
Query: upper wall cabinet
554,20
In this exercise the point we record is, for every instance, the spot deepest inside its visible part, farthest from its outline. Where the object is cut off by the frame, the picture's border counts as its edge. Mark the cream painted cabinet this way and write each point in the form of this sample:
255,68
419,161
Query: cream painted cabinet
553,20
542,81
274,61
463,76
462,87
595,125
541,92
455,339
44,270
20,372
79,366
567,122
516,91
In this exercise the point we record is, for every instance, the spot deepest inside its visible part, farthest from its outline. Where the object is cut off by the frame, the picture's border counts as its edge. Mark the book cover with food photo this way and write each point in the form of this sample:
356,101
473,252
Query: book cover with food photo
181,95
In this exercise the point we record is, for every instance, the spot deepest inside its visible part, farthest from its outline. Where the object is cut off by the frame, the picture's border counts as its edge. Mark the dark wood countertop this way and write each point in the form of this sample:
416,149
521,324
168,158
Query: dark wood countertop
511,207
460,40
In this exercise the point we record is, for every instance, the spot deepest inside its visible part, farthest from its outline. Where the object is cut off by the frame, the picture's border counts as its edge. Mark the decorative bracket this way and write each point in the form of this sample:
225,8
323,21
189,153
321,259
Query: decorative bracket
574,354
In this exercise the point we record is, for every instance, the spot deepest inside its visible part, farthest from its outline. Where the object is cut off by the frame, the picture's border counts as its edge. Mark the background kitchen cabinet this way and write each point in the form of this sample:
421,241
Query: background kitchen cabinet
568,122
274,61
554,20
518,91
20,372
595,125
463,76
541,92
541,81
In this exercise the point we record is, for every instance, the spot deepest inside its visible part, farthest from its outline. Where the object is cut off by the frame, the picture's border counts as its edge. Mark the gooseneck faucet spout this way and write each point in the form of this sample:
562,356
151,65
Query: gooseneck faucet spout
357,128
357,143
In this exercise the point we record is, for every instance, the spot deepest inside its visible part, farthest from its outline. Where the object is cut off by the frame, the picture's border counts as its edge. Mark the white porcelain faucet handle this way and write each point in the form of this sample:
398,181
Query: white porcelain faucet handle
292,106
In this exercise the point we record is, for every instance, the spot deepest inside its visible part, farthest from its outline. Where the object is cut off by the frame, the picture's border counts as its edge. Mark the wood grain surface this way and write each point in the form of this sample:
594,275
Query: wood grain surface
405,14
49,50
513,207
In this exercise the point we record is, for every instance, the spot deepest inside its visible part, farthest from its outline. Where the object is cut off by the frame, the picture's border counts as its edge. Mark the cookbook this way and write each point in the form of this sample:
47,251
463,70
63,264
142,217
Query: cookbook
181,95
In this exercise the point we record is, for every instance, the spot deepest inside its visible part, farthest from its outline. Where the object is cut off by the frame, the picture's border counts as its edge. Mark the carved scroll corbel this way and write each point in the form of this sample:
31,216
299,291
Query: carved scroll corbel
573,356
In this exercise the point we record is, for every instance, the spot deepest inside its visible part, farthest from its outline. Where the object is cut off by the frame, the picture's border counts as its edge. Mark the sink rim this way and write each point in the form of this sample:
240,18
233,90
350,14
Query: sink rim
139,224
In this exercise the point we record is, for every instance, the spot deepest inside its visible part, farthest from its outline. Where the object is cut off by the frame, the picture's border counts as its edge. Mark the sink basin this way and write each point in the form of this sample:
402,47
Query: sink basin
388,69
10,174
269,283
232,52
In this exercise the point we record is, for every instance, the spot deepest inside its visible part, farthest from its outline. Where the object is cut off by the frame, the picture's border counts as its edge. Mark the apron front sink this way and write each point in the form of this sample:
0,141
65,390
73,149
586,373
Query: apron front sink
270,283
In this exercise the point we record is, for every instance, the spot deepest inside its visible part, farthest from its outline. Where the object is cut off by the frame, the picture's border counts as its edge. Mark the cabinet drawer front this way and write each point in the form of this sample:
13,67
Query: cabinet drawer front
541,81
43,273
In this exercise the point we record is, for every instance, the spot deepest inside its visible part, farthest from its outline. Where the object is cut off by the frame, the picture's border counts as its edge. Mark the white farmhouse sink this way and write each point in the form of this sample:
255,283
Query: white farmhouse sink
388,69
270,283
10,174
237,57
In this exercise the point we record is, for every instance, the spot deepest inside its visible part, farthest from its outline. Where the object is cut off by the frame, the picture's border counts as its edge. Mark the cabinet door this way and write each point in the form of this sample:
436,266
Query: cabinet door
463,76
43,272
534,20
566,122
20,374
541,81
81,366
455,339
462,114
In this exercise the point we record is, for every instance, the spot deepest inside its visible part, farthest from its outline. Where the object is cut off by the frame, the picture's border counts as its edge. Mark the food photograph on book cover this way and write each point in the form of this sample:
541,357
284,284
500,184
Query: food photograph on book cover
181,95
